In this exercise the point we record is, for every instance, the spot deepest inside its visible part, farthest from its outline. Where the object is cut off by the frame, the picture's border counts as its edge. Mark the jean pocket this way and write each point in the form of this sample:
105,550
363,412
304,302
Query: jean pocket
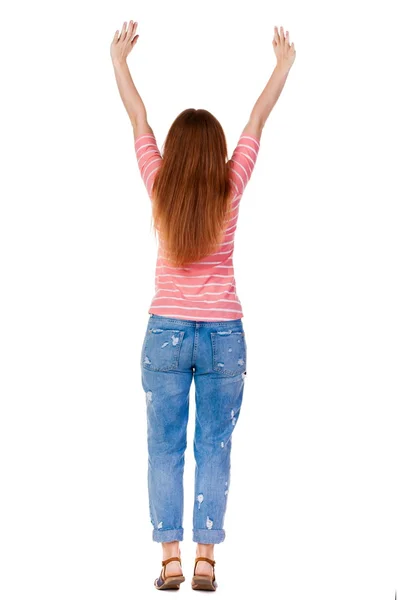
229,352
161,349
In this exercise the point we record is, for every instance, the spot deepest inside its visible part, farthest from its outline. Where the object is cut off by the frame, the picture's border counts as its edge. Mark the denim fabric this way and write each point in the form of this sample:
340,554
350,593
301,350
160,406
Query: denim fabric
173,353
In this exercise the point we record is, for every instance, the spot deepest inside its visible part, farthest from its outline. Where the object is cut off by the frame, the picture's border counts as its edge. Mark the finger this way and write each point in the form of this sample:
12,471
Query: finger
287,38
116,36
276,34
134,41
282,35
123,32
134,29
130,30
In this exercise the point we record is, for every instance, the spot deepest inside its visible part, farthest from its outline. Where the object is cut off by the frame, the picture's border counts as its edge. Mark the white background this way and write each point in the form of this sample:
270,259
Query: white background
312,511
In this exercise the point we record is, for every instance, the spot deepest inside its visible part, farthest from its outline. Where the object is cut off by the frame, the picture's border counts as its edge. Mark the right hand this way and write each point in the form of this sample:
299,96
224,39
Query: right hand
284,51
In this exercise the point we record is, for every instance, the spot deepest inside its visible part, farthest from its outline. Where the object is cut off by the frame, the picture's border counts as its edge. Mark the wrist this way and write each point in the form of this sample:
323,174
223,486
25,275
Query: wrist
282,69
119,63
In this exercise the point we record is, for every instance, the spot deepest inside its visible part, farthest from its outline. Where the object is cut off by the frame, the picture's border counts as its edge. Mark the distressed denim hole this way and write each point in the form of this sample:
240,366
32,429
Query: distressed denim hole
229,352
161,349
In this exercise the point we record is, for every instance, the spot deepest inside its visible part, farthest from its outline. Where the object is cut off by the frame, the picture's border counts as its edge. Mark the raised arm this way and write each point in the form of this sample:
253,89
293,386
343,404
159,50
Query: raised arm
120,48
285,55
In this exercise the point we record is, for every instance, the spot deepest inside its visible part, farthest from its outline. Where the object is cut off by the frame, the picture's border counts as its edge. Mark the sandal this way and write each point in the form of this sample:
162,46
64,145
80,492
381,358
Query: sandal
168,583
203,582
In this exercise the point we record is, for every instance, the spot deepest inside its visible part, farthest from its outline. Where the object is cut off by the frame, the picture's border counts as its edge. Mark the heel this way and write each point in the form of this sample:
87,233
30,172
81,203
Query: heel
168,583
203,582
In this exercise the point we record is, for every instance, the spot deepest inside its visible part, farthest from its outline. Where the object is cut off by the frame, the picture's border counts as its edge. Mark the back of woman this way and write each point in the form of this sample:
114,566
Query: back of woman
195,330
204,289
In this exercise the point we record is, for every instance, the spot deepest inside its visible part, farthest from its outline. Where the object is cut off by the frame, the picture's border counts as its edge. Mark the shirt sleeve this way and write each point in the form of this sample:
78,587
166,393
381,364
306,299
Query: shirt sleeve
149,159
243,160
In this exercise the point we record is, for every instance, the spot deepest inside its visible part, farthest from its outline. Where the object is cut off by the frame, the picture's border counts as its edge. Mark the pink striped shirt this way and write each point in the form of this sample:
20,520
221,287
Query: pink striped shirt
204,290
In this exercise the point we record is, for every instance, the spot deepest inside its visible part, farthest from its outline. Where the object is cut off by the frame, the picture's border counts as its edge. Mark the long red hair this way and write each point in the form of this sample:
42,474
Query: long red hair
191,193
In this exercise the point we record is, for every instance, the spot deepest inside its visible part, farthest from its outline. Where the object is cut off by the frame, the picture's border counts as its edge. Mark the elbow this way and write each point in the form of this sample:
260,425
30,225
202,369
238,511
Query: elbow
256,125
138,120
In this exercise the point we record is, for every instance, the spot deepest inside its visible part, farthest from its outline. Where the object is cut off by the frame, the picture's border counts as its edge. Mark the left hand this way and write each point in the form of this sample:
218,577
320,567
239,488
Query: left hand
284,50
122,44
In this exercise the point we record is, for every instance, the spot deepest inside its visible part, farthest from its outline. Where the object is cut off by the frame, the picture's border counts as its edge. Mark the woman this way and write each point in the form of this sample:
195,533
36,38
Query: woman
195,326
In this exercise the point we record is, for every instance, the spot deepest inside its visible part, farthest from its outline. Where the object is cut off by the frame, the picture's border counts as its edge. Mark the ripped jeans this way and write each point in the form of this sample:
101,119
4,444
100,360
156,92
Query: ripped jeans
214,355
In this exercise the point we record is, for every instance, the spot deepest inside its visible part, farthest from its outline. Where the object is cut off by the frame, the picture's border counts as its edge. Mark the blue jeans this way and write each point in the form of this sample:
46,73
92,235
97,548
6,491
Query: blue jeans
214,355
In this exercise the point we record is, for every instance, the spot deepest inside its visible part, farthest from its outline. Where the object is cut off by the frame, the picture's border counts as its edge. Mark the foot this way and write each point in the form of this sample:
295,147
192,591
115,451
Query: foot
203,567
173,568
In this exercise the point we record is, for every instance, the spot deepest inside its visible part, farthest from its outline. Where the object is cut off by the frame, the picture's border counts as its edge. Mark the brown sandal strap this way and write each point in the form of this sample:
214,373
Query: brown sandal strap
209,560
168,560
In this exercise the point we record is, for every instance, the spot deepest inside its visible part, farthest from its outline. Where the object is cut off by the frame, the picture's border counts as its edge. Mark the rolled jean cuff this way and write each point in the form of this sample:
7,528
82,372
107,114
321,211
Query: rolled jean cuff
208,536
168,535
